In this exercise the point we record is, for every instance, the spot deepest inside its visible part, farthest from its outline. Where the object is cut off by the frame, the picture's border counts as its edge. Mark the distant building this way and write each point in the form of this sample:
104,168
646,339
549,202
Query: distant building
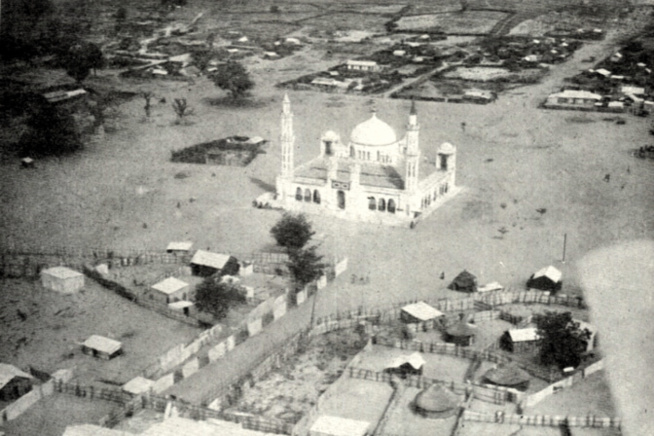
419,312
461,333
104,348
171,290
437,402
464,282
520,340
206,263
138,385
406,365
62,279
546,279
355,65
14,383
573,99
179,247
508,375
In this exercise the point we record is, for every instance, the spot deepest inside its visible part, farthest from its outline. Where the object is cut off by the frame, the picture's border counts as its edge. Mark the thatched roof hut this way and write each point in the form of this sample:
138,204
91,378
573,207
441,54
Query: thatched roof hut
436,401
461,333
508,375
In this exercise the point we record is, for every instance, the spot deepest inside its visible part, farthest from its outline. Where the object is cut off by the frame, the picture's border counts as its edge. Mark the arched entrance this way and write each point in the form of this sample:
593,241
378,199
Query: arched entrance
340,196
316,196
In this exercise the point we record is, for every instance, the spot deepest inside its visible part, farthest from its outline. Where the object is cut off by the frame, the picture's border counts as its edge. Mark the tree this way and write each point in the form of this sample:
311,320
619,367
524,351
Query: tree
216,298
292,231
180,106
51,132
562,342
81,58
147,97
233,78
305,265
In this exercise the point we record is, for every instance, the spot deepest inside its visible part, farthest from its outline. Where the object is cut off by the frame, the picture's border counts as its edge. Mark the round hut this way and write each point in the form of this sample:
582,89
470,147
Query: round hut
461,333
436,402
508,375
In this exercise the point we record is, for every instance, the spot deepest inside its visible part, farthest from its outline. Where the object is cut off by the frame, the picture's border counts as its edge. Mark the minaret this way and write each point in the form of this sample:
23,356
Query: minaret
287,139
412,150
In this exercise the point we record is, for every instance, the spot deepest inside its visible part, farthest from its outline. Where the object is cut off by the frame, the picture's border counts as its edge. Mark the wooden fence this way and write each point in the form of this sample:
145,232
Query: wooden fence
591,421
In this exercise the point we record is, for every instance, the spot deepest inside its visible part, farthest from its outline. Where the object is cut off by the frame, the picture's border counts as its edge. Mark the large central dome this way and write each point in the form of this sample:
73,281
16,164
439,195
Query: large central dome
373,132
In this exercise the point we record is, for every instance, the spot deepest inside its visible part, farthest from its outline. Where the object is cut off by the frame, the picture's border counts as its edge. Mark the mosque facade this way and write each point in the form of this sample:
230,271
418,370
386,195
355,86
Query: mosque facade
372,177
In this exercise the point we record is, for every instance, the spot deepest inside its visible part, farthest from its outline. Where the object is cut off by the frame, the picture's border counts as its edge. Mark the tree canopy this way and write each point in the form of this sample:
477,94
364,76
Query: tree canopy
292,231
562,341
216,298
233,78
305,265
81,58
51,132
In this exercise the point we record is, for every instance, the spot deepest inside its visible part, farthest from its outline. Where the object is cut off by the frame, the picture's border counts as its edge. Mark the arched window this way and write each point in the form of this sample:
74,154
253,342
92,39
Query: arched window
391,206
382,205
372,203
316,196
307,195
298,194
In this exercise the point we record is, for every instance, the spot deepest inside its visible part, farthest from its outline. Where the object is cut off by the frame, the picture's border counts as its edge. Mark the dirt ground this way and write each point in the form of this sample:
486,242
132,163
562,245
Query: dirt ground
56,324
51,415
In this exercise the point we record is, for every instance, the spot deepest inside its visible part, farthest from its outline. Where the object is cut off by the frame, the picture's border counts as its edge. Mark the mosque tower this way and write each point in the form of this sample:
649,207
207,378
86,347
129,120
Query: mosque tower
287,139
412,151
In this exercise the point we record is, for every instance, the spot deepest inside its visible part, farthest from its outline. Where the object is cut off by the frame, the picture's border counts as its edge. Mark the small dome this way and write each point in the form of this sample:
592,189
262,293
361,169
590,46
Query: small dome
373,132
330,135
446,148
436,401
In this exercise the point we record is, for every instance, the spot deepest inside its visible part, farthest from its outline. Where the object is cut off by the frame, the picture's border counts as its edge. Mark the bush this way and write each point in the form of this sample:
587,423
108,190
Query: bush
217,298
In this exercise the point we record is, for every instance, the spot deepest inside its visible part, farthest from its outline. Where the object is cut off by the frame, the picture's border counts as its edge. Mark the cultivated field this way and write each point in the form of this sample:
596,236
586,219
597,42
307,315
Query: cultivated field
466,23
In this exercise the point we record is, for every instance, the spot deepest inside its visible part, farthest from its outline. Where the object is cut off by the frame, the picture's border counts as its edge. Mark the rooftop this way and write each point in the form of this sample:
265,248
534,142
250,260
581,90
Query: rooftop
415,360
550,272
61,272
524,335
100,343
422,311
335,426
170,285
207,258
8,372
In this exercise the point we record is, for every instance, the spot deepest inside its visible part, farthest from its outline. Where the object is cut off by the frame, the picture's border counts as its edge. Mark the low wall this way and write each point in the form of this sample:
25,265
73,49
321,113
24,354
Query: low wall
543,420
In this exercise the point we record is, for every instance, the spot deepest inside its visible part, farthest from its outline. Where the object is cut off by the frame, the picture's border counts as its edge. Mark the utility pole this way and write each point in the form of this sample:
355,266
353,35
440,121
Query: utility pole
565,241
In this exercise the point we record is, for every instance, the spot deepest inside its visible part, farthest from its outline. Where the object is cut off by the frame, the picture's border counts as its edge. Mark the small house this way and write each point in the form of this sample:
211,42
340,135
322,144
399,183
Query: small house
181,306
171,290
27,162
603,72
362,65
436,402
464,282
179,247
462,333
520,340
206,263
573,99
399,53
546,279
508,375
99,346
406,365
490,287
419,312
62,279
14,383
138,385
336,426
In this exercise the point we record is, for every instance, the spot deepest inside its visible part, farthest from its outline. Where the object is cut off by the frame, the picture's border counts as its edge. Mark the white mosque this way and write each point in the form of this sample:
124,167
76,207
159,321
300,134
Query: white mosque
374,177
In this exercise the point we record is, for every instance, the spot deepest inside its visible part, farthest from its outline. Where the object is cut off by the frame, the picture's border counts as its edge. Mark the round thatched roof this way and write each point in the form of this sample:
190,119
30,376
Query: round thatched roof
436,398
462,328
507,374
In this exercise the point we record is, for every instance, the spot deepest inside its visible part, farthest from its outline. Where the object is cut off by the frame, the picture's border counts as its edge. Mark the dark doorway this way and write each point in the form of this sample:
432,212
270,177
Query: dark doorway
341,199
443,162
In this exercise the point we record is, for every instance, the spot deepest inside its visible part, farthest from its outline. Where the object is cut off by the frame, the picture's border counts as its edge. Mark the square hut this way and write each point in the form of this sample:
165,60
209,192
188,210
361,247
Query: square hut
419,312
206,263
138,385
14,383
62,279
520,340
461,333
171,290
337,426
179,247
104,348
546,279
406,365
464,282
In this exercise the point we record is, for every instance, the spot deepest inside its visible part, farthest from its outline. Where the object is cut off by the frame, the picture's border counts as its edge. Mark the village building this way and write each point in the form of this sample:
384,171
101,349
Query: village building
138,385
419,312
571,98
373,177
464,282
546,279
370,66
335,426
171,290
520,340
490,287
205,264
62,279
508,375
179,247
436,402
14,383
406,365
104,348
461,333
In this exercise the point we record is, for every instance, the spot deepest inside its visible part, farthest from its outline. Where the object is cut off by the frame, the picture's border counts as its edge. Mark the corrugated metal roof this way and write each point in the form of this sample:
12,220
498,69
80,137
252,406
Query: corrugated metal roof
170,285
336,426
179,246
103,344
207,258
550,272
571,93
422,311
8,372
524,335
138,385
61,272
